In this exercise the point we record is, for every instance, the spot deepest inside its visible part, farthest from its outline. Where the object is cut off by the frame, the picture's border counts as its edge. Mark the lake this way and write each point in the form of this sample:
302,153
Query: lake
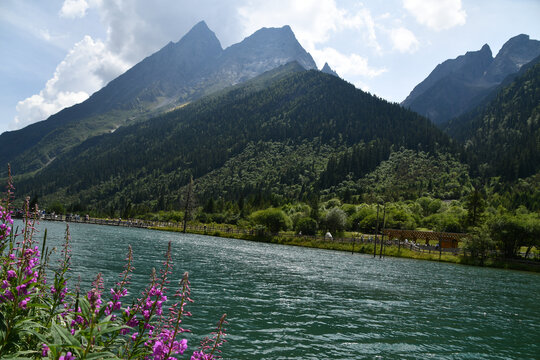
286,302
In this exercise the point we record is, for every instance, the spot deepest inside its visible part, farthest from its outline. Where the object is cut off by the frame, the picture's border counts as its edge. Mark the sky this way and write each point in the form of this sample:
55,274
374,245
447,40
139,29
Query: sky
56,53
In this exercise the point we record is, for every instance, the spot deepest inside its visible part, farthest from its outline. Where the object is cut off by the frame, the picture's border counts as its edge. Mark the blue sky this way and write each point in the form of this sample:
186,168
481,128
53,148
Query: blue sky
56,53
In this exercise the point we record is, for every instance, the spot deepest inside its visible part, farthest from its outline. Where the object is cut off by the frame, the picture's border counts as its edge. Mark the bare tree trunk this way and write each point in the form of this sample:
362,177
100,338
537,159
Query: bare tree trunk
376,232
187,208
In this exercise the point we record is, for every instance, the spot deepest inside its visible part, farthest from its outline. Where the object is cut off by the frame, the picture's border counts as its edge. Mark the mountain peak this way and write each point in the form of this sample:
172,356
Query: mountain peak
521,38
277,44
328,70
484,54
284,32
515,53
200,32
486,49
466,68
199,28
458,85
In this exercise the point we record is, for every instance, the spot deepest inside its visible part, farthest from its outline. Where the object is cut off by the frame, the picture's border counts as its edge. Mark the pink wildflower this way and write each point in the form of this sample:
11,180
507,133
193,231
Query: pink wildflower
44,350
23,303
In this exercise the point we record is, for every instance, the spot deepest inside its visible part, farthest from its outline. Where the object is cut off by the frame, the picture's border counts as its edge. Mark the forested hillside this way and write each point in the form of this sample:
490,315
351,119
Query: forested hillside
502,138
177,74
275,133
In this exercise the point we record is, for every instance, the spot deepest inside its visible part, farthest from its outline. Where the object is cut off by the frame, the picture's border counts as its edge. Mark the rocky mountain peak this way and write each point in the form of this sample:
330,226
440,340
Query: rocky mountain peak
328,70
178,73
200,37
467,67
458,85
515,53
279,44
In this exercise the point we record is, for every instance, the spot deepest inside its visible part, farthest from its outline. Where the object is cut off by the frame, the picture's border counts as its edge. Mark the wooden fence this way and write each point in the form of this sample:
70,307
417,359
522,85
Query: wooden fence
390,240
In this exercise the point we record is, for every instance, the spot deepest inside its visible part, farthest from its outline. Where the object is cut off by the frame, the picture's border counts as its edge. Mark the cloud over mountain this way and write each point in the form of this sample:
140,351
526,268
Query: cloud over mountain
137,28
437,14
87,68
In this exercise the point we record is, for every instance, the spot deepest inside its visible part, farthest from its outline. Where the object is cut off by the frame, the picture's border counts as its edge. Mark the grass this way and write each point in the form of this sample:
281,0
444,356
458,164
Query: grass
393,251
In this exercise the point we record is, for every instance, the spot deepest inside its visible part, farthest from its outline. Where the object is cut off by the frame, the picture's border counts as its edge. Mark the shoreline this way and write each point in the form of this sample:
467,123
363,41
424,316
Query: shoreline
362,248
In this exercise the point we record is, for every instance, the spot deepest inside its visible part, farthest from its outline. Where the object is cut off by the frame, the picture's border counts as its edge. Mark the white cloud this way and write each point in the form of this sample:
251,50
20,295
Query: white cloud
437,14
403,40
352,65
86,69
138,28
313,22
135,29
363,23
74,9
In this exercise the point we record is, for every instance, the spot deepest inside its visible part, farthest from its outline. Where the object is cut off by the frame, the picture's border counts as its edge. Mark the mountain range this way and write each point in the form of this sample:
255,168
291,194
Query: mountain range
220,141
174,76
259,121
459,85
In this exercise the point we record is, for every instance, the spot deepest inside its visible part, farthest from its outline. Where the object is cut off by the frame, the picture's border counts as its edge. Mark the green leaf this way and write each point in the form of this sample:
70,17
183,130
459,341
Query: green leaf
65,335
101,355
85,307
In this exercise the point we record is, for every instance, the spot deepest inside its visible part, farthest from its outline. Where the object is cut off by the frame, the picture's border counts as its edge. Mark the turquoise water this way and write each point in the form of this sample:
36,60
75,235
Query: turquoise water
286,302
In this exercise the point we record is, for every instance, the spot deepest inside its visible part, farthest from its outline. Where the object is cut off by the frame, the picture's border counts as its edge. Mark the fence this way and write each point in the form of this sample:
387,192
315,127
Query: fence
226,229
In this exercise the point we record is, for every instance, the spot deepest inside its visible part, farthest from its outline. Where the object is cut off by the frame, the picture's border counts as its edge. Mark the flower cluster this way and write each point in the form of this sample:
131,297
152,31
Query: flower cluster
50,321
212,344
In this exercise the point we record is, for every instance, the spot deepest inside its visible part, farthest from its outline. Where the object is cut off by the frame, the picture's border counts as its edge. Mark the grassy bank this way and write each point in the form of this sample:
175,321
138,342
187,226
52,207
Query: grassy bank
360,248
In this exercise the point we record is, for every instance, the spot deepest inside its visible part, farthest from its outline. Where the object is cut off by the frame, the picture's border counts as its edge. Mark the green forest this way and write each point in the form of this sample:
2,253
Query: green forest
306,151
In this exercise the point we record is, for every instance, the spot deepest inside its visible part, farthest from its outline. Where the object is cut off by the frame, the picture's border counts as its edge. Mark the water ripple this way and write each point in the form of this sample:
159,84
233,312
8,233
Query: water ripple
295,303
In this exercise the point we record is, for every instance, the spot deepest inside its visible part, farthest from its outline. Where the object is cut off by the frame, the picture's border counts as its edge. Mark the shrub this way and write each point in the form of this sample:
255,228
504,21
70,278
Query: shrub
307,226
273,219
356,219
335,220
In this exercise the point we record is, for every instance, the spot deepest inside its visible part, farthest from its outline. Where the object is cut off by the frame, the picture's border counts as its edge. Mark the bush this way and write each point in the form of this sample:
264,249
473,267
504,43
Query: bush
57,208
307,226
363,220
349,209
399,219
273,219
478,244
335,220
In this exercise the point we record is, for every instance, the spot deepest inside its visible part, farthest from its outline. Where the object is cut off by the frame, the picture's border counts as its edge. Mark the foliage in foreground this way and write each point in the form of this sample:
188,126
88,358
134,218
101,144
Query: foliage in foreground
42,319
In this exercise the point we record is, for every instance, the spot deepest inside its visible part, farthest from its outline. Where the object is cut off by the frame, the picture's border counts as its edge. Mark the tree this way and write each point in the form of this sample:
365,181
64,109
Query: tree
475,205
510,232
56,207
356,219
188,203
533,231
307,226
479,243
335,220
273,219
314,203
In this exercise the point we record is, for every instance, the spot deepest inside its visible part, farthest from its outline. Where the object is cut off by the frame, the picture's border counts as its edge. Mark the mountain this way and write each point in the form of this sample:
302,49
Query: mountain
272,134
515,53
458,85
328,70
502,137
177,74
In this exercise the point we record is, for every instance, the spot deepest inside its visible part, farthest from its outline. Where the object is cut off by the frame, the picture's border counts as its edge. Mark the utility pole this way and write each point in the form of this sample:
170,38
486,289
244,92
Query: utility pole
376,232
382,235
